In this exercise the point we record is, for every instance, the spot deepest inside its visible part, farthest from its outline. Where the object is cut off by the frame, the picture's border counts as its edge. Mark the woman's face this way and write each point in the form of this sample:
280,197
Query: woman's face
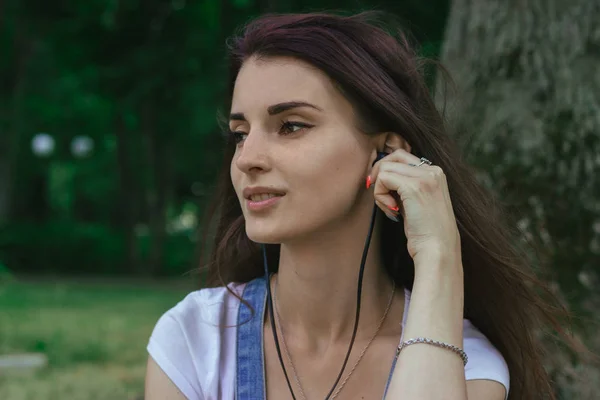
300,163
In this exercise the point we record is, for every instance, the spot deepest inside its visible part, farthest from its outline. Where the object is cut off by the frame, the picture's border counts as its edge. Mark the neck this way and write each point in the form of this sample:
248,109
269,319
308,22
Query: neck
317,286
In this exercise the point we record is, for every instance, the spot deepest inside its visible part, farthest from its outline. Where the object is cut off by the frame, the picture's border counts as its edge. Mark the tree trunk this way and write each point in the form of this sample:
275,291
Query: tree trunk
13,115
128,194
5,182
159,188
526,114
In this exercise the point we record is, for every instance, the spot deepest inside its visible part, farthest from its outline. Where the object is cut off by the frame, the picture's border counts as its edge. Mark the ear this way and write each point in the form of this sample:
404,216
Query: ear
391,141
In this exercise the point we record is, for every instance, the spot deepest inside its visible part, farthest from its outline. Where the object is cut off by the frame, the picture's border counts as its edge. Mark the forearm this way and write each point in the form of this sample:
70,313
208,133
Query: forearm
423,371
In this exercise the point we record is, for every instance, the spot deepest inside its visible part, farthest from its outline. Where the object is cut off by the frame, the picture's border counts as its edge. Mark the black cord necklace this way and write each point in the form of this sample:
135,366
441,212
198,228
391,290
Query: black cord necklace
358,301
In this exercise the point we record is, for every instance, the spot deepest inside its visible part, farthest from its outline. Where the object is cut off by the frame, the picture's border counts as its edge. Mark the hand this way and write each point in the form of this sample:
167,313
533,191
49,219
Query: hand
424,202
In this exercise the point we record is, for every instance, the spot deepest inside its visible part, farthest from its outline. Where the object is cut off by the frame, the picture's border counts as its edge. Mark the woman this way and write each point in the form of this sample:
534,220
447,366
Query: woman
317,100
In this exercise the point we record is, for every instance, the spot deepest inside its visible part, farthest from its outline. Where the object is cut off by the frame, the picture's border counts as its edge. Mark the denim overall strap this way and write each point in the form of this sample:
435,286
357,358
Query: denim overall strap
250,379
250,373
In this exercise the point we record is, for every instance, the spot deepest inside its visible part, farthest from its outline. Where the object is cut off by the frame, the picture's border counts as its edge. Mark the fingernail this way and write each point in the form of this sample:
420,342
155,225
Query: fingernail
369,181
395,219
394,208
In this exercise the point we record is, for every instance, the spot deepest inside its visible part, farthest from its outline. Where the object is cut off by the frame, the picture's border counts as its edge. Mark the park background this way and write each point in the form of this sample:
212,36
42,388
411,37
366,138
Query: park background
109,149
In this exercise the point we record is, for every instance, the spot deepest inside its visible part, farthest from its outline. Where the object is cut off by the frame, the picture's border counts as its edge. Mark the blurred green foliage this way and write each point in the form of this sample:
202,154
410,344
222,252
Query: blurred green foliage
5,274
141,81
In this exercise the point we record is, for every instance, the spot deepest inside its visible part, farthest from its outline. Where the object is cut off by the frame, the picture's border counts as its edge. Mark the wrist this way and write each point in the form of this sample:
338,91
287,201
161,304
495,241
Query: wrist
438,294
439,262
439,279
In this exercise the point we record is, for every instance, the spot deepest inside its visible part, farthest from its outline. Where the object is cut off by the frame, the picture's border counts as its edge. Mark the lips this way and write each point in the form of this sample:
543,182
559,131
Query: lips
260,193
261,199
263,196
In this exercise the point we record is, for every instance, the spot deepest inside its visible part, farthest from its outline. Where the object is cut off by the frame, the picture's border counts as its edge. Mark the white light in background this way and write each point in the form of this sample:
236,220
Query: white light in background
42,145
82,146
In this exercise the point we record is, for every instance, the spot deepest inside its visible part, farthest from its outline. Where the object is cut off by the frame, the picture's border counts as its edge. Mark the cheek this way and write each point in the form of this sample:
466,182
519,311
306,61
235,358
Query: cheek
236,177
330,185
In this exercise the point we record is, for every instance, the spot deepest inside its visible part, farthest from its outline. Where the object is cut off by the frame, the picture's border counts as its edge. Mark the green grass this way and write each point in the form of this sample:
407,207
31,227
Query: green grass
94,336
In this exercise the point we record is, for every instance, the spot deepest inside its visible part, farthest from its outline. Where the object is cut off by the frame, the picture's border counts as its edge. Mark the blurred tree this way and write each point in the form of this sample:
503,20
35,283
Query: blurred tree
142,80
527,116
17,44
529,82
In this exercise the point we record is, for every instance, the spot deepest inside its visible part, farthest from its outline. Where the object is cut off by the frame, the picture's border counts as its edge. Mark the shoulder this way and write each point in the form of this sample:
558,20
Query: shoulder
190,339
207,306
485,361
201,313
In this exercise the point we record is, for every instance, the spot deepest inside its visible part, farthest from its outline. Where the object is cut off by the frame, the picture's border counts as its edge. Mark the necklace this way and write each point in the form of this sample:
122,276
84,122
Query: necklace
289,358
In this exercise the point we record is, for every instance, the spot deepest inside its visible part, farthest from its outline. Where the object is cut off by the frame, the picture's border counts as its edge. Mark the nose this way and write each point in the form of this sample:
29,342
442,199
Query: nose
252,156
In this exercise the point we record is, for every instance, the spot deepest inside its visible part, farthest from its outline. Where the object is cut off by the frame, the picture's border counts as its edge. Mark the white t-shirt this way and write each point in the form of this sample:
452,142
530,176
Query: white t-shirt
194,343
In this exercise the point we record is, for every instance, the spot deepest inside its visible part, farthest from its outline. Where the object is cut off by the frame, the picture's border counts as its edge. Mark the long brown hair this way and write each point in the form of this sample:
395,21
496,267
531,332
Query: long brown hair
382,76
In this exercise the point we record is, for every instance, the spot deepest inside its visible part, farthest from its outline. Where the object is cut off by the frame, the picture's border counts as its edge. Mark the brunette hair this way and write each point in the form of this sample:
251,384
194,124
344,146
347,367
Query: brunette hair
382,76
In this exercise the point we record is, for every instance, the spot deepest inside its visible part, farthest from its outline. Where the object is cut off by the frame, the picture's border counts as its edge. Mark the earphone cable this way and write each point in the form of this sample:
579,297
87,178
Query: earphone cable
356,319
363,260
358,300
272,318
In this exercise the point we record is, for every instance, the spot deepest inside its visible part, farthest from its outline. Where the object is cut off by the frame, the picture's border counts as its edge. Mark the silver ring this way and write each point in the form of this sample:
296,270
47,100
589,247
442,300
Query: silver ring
424,161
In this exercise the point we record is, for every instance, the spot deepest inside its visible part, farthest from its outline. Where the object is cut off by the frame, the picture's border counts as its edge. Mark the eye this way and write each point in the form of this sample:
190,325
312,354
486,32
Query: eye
237,136
290,127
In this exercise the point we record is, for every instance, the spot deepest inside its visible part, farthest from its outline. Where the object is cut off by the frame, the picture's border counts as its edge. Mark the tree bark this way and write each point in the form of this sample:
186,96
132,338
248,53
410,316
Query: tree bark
526,113
527,109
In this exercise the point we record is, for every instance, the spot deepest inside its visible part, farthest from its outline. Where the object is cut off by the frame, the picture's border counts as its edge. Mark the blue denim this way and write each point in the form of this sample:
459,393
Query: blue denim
250,368
250,373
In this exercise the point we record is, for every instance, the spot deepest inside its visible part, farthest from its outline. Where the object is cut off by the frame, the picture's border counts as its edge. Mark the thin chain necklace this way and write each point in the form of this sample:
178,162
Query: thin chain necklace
289,358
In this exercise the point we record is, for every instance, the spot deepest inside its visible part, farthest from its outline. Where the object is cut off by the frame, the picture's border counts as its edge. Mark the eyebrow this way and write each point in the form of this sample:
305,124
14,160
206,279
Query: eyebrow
276,109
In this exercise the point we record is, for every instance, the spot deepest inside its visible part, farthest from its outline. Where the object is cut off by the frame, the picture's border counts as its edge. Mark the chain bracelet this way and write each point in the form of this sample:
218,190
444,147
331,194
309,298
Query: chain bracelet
443,345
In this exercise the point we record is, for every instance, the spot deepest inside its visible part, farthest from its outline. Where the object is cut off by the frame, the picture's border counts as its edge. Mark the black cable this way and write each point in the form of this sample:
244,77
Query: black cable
358,296
358,301
356,319
272,318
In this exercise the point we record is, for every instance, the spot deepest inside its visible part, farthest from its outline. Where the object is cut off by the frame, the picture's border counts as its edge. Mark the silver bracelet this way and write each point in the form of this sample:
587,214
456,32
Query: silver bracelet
443,345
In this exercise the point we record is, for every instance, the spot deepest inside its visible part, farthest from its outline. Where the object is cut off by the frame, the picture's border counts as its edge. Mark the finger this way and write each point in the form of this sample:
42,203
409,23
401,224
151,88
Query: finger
390,183
401,169
385,199
427,177
395,212
398,156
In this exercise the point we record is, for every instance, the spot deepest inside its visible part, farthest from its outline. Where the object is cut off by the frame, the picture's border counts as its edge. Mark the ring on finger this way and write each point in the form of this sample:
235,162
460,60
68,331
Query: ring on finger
423,161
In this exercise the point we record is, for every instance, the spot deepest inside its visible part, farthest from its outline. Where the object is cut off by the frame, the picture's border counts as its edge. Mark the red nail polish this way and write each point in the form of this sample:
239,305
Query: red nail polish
394,208
369,181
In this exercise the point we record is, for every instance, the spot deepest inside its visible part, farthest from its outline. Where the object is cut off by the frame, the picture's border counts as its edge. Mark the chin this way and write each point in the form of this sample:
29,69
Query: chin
261,232
264,237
